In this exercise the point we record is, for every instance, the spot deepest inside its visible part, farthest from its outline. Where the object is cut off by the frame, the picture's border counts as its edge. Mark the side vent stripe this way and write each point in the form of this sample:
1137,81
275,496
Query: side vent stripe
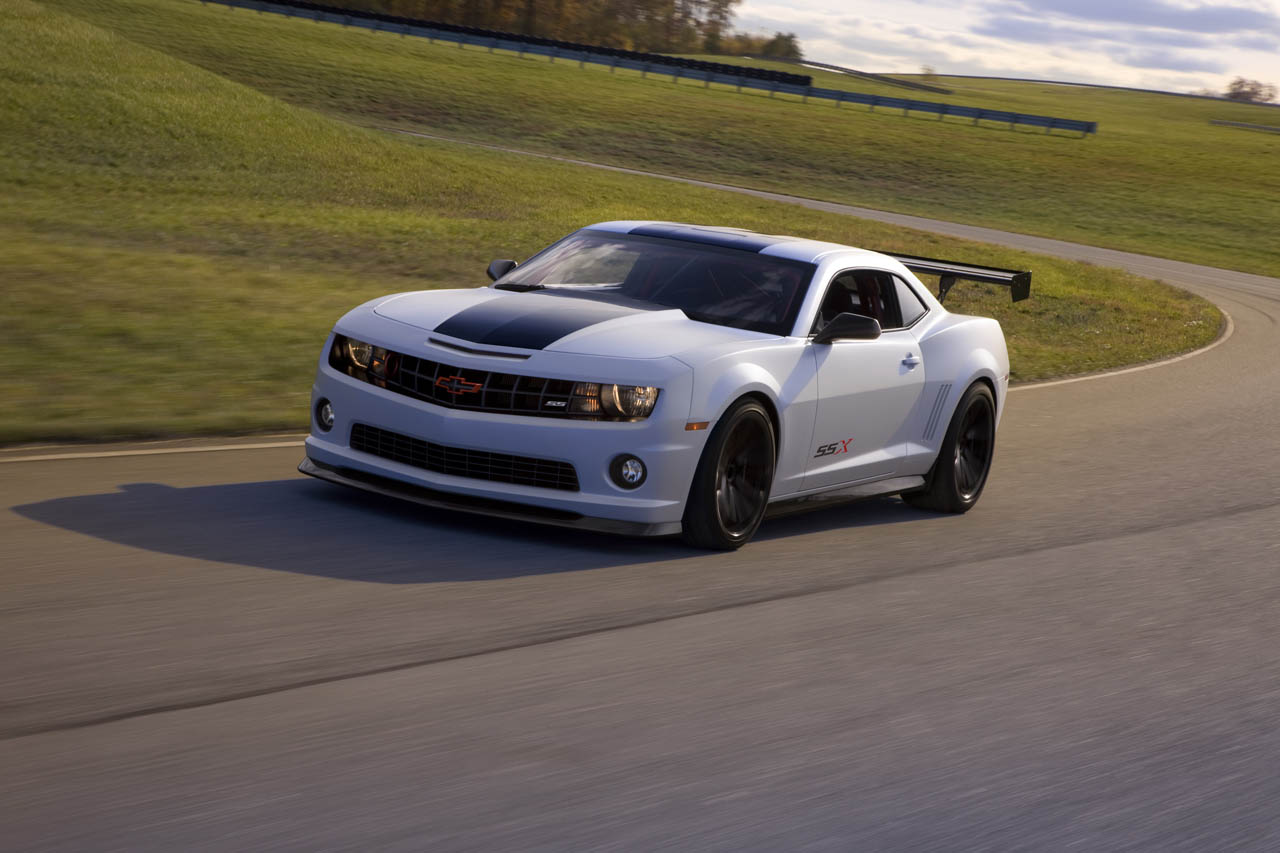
934,415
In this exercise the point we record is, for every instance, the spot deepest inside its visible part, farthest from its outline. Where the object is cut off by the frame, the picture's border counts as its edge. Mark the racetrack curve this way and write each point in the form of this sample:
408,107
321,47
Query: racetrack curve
204,650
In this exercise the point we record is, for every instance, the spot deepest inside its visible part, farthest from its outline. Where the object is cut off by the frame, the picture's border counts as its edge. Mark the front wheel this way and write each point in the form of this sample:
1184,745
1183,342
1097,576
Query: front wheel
731,484
956,479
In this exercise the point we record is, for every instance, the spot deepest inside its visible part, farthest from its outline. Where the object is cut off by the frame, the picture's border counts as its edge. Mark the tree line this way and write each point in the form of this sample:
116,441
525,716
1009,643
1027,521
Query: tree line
658,26
1244,90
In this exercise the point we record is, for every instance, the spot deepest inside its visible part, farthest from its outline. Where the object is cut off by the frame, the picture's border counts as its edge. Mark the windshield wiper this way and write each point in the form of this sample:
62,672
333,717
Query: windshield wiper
520,288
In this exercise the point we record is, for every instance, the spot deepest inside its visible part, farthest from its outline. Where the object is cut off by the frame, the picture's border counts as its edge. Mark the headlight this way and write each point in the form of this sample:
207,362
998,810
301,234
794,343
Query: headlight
372,360
614,402
628,401
585,399
359,352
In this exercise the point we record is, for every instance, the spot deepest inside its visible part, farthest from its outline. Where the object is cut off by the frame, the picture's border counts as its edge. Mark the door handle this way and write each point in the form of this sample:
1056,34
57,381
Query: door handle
910,360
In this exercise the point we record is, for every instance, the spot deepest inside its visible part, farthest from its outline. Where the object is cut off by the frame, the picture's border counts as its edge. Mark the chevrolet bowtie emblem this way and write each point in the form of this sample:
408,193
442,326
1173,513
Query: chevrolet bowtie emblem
457,385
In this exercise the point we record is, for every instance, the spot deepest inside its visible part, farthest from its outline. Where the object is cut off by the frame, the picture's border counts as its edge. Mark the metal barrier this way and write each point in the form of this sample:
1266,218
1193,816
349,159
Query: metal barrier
853,72
677,73
1268,128
880,78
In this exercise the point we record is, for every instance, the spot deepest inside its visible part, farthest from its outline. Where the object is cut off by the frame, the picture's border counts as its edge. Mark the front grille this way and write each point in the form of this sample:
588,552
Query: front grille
482,390
461,462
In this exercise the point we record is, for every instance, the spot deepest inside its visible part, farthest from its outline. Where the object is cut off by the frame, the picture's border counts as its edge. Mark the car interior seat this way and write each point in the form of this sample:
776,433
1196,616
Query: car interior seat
869,297
837,301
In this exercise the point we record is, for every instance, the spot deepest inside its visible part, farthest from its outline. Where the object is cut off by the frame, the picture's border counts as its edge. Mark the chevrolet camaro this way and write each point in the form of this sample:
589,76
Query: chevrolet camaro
653,378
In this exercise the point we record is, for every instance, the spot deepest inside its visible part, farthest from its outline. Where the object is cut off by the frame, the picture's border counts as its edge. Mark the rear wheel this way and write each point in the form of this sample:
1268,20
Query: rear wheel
955,482
731,484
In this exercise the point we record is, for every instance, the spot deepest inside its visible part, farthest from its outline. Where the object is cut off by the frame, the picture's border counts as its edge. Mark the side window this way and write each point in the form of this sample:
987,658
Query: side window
909,304
867,292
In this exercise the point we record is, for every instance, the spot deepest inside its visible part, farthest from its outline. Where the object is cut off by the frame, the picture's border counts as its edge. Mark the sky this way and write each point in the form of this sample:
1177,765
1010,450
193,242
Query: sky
1171,45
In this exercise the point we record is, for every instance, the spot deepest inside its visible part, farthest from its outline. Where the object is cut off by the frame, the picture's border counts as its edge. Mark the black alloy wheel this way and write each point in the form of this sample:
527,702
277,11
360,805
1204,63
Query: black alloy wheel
959,474
731,485
974,443
743,476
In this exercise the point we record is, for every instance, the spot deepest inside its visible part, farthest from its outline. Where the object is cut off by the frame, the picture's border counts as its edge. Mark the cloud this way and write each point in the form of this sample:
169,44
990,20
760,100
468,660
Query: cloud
1168,38
1046,32
1034,30
951,38
1270,44
1166,60
1201,18
1177,45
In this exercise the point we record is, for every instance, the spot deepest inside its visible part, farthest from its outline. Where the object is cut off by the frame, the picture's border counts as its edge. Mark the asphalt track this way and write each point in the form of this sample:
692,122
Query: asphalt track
206,651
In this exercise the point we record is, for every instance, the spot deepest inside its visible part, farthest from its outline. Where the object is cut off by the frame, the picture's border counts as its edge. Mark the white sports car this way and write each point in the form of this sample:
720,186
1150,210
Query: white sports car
653,378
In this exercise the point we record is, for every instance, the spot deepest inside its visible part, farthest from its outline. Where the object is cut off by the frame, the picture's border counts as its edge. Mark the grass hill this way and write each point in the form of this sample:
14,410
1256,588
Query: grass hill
1158,178
179,230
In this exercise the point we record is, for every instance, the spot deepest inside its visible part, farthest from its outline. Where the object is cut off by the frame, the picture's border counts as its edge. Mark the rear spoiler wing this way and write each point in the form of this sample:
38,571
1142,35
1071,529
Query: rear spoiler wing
949,272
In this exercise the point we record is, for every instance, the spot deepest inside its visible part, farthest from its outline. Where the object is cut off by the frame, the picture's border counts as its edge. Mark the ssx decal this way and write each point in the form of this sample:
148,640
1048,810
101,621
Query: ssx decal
835,448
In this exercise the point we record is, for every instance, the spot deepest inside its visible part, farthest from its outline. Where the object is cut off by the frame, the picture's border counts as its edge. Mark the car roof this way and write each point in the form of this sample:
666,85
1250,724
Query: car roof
781,246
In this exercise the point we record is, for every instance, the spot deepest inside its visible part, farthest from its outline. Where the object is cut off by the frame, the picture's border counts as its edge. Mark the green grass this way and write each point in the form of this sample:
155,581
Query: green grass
174,245
1158,179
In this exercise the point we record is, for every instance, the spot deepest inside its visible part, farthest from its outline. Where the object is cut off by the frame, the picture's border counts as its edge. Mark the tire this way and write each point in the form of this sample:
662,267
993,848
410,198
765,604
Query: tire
730,489
958,475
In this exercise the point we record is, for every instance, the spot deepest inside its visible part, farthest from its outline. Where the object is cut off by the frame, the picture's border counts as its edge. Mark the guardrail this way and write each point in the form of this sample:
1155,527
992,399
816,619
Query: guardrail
406,27
1221,98
853,72
534,44
881,78
1244,125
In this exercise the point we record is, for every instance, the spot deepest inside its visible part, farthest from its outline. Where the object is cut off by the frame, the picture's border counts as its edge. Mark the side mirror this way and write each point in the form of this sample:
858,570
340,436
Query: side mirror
848,327
497,269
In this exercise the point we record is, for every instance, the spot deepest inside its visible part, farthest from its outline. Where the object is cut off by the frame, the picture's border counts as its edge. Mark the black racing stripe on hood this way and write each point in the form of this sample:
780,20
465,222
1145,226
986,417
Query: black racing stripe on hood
528,320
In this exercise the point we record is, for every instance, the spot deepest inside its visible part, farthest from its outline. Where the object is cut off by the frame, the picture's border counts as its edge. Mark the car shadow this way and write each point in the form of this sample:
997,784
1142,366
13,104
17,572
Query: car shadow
307,527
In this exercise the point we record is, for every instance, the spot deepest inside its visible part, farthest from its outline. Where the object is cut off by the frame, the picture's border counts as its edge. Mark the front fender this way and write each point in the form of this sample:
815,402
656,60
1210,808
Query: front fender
737,382
784,376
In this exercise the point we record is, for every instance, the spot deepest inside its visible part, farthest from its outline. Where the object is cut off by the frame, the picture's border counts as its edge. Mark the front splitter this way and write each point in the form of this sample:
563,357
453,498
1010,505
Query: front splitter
481,506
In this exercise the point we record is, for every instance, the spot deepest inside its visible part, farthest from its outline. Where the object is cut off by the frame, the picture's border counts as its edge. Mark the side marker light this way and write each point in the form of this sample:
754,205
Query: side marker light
696,425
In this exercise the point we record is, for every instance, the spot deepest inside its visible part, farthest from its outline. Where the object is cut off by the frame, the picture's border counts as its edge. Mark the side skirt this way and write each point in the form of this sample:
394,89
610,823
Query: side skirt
842,494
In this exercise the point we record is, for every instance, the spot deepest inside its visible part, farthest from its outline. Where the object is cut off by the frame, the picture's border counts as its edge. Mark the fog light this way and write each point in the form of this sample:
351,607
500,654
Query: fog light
324,415
627,471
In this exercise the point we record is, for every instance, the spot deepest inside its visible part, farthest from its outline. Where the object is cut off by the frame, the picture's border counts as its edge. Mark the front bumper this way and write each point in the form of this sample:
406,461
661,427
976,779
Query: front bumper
499,509
655,508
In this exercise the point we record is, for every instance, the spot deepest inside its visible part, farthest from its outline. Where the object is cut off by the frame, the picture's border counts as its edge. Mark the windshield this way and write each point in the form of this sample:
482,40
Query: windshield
728,287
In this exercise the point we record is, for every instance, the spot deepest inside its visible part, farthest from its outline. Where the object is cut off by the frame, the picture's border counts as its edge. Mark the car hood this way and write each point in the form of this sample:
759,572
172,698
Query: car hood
542,320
